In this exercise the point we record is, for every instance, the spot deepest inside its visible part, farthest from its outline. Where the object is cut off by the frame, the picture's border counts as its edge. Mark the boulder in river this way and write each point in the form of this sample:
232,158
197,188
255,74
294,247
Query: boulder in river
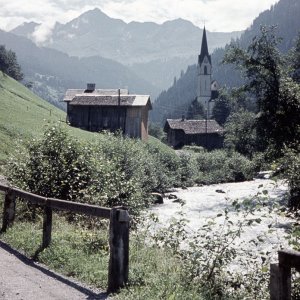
158,198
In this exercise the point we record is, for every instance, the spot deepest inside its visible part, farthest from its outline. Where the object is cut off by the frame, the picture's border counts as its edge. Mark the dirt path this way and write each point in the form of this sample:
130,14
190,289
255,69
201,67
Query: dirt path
22,279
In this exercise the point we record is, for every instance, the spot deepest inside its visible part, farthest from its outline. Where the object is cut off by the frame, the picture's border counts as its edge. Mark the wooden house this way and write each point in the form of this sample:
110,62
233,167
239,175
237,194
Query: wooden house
205,133
108,109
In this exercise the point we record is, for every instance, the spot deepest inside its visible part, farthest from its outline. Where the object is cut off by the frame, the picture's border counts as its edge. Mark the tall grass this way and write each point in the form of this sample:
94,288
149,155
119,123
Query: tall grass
74,251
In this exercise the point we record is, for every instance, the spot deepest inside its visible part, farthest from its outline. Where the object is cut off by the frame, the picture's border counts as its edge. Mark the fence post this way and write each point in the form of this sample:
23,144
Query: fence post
9,210
119,249
280,282
47,226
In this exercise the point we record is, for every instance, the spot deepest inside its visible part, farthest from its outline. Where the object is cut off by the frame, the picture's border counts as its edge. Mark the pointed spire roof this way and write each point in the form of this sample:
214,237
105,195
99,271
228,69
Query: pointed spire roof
204,48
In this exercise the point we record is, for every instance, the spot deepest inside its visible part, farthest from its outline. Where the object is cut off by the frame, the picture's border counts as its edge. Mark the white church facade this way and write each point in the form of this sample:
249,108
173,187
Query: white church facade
206,88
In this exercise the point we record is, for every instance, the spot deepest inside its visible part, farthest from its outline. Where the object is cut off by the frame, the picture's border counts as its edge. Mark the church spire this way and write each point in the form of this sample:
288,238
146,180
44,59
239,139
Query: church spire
204,48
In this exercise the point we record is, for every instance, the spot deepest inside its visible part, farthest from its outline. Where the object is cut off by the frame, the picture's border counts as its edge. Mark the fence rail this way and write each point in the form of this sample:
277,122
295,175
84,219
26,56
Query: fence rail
280,274
118,228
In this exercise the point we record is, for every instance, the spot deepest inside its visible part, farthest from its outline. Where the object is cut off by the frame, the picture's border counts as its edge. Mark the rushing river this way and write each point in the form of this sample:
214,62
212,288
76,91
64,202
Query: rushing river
206,202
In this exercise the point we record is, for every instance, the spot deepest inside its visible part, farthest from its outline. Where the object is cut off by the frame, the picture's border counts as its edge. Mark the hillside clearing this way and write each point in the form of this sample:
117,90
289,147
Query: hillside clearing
24,115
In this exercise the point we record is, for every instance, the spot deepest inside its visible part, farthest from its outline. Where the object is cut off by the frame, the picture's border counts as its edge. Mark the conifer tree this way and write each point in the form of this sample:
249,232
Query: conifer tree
9,64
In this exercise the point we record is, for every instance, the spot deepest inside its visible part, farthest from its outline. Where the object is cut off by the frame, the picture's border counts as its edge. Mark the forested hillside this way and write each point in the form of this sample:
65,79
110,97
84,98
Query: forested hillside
175,101
52,72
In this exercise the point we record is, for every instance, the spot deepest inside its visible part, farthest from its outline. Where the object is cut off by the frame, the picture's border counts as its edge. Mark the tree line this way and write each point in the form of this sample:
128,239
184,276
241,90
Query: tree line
9,64
264,113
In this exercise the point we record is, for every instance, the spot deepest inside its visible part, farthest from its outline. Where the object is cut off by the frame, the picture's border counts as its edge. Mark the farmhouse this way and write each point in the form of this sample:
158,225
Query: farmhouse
205,133
108,109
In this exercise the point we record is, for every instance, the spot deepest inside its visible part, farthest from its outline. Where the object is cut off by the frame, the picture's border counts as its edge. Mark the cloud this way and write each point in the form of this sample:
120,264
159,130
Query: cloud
43,33
219,15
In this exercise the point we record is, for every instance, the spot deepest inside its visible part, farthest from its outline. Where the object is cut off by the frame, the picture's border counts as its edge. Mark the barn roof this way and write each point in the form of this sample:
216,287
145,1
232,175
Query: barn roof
110,100
71,93
105,97
194,126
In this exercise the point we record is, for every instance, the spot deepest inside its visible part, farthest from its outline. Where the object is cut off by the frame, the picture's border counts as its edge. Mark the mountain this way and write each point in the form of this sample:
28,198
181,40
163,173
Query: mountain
175,101
148,48
52,72
95,34
26,29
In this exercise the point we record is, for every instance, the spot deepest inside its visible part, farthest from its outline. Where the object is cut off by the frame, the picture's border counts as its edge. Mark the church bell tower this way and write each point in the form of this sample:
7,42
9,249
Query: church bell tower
204,75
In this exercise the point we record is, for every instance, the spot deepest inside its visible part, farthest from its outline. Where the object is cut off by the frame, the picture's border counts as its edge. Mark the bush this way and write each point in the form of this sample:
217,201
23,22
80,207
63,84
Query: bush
291,166
153,165
223,166
188,168
60,166
167,165
114,170
156,131
55,166
194,148
240,132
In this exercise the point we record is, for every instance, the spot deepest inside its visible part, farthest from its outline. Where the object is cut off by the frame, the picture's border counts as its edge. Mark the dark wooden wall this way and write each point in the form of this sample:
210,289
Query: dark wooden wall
177,139
133,121
97,118
210,141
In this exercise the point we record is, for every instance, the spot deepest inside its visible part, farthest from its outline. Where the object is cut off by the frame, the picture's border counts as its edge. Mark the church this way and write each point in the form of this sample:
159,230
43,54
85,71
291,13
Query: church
207,90
206,133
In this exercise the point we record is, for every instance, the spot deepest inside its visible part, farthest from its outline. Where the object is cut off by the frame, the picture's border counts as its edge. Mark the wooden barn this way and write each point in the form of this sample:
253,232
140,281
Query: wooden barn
205,133
103,109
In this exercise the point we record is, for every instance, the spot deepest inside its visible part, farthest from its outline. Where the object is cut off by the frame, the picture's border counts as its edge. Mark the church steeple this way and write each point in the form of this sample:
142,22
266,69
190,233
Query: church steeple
204,48
204,74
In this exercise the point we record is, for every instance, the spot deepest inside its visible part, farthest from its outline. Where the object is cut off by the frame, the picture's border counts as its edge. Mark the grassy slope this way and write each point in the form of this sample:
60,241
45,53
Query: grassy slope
24,115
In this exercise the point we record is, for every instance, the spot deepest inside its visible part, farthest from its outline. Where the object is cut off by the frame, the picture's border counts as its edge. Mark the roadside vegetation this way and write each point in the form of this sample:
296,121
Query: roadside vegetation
115,170
212,267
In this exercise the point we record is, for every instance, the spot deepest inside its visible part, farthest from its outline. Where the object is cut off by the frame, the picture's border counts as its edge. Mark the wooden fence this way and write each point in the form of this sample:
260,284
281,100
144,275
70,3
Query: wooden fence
118,229
280,279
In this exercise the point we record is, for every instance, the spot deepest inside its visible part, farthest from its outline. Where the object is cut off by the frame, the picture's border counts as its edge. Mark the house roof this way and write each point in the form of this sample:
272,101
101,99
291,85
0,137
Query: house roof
71,93
105,97
194,126
110,100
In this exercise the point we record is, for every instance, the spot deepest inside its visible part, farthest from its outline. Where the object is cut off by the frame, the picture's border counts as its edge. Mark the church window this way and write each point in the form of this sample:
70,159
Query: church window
205,70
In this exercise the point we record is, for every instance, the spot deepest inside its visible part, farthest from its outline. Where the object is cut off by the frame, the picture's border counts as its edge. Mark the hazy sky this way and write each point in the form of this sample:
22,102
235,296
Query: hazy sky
219,15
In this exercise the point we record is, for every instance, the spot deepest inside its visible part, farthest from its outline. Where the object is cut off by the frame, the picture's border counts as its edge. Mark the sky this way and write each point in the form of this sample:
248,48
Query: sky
218,15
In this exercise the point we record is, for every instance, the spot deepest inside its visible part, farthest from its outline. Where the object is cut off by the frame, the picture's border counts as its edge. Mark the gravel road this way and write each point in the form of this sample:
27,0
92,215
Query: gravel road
23,279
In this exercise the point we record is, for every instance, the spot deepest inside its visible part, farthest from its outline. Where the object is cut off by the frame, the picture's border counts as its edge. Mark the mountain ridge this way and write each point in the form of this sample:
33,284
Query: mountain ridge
148,48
